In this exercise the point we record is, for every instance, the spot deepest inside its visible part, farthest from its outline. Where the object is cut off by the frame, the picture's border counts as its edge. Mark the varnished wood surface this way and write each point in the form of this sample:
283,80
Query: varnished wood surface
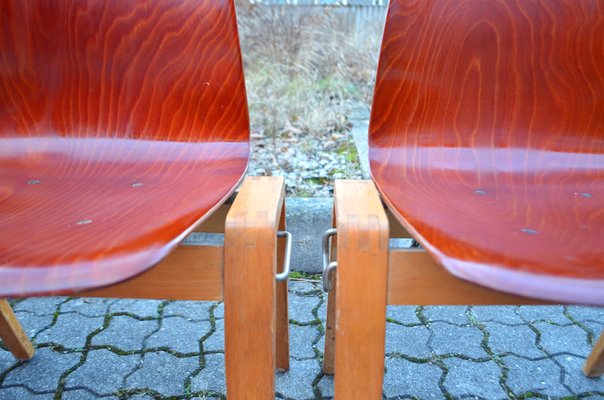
487,140
12,334
362,284
281,302
187,273
414,278
250,288
122,124
594,366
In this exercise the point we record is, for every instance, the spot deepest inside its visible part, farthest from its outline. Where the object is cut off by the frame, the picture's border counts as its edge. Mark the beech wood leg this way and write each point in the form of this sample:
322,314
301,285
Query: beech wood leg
330,318
250,288
282,351
594,366
330,328
361,290
12,334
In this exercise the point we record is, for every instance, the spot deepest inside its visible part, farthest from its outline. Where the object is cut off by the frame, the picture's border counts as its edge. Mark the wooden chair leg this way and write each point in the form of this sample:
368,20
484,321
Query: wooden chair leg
330,328
13,335
250,288
361,290
594,366
282,350
330,319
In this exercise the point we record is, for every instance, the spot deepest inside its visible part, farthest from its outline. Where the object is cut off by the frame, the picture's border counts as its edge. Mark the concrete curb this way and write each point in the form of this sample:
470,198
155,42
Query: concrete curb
307,219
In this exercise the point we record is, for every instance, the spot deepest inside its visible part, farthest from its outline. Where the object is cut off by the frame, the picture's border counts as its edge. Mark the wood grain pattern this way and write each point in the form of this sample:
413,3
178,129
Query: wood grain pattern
281,302
486,140
250,288
594,366
12,334
414,278
361,290
187,273
329,360
122,125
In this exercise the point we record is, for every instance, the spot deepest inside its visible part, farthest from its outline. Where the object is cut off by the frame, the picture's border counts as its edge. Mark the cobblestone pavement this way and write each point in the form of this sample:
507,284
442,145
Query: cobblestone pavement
107,348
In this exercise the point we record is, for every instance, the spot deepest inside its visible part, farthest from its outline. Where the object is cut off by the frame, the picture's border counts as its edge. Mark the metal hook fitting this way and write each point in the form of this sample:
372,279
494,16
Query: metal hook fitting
282,276
328,265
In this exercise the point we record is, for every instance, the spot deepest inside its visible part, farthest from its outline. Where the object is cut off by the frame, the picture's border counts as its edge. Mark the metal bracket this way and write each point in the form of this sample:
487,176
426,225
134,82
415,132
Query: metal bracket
328,265
282,276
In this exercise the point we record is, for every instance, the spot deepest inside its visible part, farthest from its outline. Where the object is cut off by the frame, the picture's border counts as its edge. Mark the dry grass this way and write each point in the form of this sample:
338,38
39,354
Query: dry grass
304,67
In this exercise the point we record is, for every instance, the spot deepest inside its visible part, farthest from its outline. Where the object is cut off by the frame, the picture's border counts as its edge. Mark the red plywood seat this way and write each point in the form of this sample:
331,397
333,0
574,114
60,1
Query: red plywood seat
487,140
121,126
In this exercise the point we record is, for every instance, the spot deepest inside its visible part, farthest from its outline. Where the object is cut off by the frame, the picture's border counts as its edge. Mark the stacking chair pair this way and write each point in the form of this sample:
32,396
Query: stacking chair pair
486,145
124,130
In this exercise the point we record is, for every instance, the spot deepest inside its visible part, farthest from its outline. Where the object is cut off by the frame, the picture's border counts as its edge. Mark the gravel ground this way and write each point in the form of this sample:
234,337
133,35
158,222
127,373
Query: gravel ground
308,163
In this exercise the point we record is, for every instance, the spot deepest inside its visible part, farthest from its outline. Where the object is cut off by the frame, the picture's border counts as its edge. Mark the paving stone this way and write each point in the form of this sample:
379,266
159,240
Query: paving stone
103,371
212,376
553,314
71,330
301,341
215,342
452,314
163,373
300,308
81,394
125,333
513,339
468,378
325,385
582,313
563,339
297,382
42,372
89,307
141,308
192,310
6,361
574,378
596,329
320,344
303,287
541,377
322,311
39,305
179,334
20,393
33,323
501,314
402,314
219,311
397,382
451,339
412,341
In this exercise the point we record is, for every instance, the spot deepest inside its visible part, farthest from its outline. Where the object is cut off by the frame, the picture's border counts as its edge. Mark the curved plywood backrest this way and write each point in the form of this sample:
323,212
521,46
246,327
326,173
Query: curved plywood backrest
160,70
491,73
487,139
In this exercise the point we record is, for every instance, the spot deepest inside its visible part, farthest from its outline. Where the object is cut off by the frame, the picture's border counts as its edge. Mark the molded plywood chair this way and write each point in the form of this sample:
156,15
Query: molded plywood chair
487,146
123,128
